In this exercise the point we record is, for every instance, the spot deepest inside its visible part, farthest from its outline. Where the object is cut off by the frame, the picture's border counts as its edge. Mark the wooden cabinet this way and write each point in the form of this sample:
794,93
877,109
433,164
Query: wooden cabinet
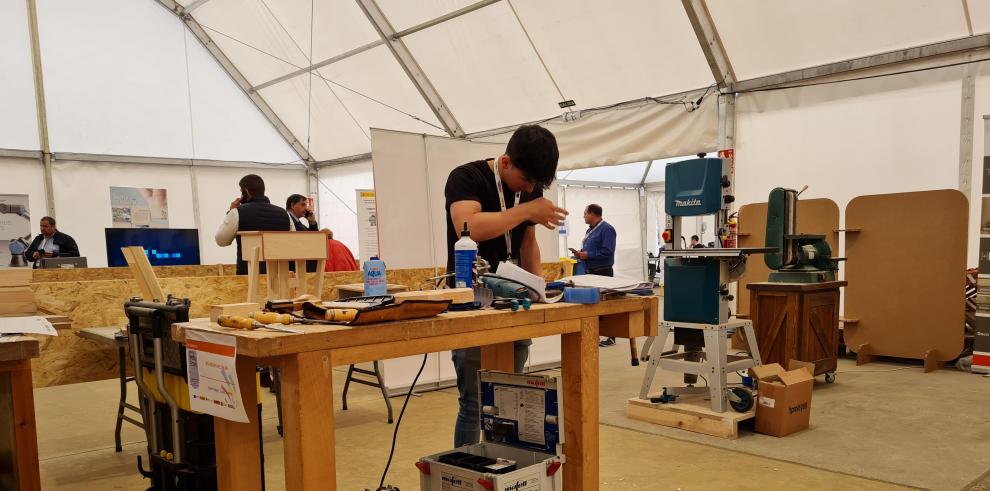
797,321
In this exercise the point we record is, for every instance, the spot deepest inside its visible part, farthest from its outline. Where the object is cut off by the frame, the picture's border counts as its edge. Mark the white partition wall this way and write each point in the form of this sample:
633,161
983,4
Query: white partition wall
620,208
338,200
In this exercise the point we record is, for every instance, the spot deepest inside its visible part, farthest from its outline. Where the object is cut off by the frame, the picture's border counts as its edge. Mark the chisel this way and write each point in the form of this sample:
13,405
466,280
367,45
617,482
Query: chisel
238,322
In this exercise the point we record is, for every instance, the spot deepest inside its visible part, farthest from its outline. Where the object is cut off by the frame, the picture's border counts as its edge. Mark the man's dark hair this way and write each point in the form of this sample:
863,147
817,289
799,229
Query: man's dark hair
533,149
50,220
253,184
595,209
695,237
295,198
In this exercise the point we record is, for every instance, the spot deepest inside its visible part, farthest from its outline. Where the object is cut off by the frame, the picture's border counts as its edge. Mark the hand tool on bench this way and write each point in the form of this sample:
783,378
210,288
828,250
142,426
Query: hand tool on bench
238,322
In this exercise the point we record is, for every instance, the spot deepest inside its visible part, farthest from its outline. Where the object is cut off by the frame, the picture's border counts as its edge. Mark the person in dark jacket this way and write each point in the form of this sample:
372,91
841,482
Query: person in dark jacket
598,249
298,207
50,243
252,211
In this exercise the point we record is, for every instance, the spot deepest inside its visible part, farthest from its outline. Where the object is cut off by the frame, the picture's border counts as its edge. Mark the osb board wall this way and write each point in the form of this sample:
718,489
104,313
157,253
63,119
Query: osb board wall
906,270
92,274
67,358
814,216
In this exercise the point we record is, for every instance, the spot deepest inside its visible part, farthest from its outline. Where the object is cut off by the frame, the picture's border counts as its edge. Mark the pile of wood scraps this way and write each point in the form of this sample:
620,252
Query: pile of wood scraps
17,298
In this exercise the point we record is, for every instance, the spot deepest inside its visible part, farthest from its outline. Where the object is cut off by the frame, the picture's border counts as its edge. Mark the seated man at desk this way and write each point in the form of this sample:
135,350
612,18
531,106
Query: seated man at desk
501,200
50,243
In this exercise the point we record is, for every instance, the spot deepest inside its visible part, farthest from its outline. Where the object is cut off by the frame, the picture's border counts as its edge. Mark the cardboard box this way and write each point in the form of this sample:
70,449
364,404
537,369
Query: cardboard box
784,402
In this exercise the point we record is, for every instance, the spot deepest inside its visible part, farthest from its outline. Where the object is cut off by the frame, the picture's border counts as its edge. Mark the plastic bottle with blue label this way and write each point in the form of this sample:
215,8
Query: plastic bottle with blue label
375,283
465,253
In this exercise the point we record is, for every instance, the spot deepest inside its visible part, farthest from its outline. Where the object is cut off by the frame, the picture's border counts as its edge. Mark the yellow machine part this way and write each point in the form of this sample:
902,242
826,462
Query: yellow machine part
179,388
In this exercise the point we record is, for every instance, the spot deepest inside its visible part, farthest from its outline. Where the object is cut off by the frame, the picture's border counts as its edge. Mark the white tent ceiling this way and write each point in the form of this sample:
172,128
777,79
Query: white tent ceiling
328,76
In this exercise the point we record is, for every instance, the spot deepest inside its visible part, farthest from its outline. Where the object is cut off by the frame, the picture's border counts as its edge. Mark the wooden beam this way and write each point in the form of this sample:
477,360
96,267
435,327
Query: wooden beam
239,465
501,357
579,368
307,419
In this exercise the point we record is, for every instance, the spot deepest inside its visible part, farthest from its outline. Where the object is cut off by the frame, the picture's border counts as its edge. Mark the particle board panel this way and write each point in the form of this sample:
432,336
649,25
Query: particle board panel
906,269
814,216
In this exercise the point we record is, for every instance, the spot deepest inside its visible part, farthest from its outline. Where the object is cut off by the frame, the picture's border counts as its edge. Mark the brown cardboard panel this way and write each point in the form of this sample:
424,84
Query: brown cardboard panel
906,270
814,216
765,372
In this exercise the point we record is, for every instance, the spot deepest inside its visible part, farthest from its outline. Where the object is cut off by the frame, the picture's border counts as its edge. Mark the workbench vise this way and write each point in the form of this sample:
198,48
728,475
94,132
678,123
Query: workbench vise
800,258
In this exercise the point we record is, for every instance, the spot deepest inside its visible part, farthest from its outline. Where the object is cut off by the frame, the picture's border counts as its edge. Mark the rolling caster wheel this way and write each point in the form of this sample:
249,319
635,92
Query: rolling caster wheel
829,377
745,402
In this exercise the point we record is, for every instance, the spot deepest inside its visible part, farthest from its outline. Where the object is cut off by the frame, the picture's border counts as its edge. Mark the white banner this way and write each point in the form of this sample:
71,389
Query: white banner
139,207
367,220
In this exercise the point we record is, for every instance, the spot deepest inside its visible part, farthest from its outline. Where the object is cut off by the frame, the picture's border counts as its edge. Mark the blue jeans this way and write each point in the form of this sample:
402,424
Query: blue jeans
467,362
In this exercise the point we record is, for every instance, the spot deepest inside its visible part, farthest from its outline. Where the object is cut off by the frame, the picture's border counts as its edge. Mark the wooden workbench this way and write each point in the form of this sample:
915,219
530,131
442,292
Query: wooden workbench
306,362
18,431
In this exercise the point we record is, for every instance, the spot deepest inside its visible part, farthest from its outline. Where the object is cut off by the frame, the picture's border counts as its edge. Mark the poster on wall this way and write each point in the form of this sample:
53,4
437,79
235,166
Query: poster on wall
981,339
15,223
139,207
367,218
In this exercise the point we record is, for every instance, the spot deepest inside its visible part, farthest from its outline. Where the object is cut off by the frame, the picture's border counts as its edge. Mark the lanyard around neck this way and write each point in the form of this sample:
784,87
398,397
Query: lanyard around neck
501,201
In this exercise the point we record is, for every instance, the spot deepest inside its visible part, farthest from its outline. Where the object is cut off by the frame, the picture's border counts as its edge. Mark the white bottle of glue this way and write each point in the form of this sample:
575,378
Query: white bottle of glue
465,253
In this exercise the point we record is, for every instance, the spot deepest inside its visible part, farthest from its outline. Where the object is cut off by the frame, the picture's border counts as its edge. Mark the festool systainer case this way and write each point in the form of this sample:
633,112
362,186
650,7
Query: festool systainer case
523,426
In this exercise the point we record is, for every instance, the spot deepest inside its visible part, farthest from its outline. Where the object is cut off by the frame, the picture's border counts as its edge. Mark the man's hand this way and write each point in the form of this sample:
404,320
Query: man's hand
309,214
36,256
235,203
581,255
544,212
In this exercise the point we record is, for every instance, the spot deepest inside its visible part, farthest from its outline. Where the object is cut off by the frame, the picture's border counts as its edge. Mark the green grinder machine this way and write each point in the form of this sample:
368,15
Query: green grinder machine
801,258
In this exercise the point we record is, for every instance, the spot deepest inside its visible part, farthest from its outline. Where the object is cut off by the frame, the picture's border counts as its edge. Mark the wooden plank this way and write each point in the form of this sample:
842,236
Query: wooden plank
694,414
906,312
563,311
301,283
499,357
416,345
320,277
15,277
283,280
238,444
136,272
623,325
294,245
241,309
254,275
15,348
17,300
144,273
579,368
17,402
307,418
249,242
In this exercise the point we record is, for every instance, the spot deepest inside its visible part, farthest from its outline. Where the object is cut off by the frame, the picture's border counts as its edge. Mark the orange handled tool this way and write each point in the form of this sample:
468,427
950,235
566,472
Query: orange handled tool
238,322
271,318
341,315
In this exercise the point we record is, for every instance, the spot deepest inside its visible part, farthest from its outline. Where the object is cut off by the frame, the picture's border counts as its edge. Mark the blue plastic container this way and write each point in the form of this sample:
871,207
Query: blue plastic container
375,283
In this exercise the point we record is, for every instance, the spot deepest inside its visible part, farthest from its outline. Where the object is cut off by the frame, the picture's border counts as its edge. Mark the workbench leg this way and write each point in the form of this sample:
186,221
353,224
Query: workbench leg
17,411
579,367
307,414
238,445
501,357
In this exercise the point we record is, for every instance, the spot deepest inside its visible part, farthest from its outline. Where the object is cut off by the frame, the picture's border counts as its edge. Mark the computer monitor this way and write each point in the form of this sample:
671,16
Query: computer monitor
63,262
164,246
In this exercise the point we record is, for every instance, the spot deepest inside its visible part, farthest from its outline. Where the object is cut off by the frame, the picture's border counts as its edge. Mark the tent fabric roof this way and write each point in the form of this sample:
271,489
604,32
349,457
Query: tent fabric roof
328,75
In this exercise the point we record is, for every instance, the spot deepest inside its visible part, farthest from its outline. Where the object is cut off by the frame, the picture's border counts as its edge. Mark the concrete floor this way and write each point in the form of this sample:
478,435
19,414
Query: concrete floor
905,427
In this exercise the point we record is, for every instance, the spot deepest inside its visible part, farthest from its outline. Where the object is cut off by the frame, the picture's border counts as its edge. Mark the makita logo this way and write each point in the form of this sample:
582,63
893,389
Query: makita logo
516,487
687,202
798,408
452,480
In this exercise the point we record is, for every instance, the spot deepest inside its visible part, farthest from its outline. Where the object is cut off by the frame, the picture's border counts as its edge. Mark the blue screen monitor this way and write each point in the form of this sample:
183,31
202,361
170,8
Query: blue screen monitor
163,246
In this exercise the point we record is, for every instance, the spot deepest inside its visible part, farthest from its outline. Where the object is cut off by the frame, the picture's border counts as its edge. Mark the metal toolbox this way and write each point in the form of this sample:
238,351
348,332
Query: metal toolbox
523,427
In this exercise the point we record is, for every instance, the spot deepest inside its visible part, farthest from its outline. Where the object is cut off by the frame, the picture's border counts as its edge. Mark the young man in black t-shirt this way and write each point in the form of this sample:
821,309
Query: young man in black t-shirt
501,200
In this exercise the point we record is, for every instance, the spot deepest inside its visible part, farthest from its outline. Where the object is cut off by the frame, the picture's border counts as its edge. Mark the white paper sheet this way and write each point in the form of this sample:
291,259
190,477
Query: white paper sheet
527,407
616,283
537,283
27,325
213,384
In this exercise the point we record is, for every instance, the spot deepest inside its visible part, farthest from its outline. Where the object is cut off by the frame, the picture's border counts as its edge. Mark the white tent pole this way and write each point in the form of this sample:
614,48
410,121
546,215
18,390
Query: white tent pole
967,126
237,77
711,44
411,67
321,64
979,42
39,95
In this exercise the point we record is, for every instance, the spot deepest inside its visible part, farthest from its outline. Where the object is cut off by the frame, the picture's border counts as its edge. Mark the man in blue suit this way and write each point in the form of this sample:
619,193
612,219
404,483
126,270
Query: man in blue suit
598,248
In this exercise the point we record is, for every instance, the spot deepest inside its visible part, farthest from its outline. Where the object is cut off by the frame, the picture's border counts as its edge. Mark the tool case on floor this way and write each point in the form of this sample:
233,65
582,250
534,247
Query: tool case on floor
523,425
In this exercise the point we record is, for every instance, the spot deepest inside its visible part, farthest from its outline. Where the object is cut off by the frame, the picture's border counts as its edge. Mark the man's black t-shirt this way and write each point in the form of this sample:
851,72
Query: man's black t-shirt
475,181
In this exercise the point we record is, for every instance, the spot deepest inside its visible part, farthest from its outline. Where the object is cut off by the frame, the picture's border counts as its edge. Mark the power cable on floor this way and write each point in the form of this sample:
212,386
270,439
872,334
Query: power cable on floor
395,434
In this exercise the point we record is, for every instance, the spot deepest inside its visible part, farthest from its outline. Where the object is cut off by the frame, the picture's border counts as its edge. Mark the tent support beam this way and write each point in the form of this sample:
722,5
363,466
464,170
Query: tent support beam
133,159
444,18
411,67
711,44
237,77
42,107
321,64
343,160
955,46
967,125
